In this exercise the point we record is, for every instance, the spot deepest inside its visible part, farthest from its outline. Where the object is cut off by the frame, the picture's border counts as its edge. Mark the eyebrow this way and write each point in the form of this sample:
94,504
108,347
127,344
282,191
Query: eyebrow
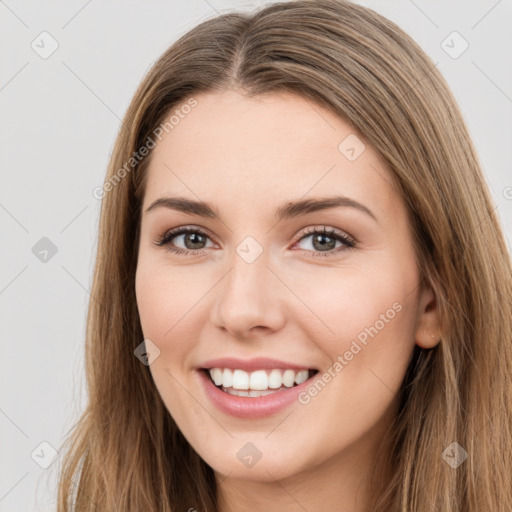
286,211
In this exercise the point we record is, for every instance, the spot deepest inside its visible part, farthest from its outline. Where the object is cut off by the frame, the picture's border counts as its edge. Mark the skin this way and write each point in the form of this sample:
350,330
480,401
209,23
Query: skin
247,157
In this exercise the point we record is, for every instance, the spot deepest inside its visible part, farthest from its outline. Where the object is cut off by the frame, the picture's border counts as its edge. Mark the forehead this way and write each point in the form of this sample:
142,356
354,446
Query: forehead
252,152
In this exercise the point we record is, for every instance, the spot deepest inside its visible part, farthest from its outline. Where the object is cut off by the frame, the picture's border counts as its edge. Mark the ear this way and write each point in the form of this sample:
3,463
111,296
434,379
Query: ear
428,333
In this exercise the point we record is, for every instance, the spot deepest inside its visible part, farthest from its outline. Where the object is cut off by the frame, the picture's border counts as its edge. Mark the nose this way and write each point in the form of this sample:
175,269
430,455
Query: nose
249,299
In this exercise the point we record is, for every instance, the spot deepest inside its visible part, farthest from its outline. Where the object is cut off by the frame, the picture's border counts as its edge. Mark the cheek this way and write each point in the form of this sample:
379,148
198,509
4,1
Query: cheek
367,330
165,302
165,298
365,316
340,303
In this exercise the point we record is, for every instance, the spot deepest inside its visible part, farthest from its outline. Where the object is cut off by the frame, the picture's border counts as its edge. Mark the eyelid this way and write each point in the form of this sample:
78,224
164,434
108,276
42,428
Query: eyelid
181,230
188,228
327,230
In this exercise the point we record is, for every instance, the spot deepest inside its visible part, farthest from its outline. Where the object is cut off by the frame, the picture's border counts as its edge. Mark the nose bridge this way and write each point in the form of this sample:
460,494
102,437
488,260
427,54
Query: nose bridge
249,275
250,295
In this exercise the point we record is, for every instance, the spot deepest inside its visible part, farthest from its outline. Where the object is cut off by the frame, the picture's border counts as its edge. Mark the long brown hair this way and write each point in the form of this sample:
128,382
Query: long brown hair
126,453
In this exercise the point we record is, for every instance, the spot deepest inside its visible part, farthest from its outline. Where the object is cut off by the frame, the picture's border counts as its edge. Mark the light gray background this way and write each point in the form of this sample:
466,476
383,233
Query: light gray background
60,116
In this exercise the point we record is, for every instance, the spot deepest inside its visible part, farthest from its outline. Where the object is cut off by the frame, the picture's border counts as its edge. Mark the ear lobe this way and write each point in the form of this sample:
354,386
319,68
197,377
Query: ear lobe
428,327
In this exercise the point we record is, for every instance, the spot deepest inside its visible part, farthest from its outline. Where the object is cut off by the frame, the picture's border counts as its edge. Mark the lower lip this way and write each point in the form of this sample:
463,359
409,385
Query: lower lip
250,407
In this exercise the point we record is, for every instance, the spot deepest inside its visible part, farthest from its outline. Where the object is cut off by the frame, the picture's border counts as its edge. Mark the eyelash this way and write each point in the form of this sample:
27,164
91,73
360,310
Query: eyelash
348,242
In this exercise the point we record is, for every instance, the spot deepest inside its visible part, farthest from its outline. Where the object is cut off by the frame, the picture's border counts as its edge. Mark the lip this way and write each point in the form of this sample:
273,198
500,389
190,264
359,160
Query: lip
249,365
251,407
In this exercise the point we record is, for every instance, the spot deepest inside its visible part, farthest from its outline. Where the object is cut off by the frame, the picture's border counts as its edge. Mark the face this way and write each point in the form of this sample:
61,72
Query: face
276,295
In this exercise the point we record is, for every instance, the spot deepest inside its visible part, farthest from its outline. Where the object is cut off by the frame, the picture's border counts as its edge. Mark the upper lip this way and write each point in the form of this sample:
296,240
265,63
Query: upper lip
257,363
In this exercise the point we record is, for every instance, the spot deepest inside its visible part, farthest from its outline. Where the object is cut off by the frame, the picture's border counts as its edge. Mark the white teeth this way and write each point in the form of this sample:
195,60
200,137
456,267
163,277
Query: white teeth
258,380
240,379
274,379
257,383
250,393
227,378
216,374
288,378
301,376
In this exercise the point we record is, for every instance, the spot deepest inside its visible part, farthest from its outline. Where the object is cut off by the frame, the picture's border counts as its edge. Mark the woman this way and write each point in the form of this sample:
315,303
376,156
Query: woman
302,294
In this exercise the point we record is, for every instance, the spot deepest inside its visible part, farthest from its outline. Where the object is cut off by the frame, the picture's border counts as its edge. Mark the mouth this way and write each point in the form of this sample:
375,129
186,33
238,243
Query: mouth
257,383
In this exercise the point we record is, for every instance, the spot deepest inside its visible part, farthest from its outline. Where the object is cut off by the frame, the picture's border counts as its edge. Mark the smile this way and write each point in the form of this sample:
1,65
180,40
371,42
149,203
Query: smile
257,383
253,389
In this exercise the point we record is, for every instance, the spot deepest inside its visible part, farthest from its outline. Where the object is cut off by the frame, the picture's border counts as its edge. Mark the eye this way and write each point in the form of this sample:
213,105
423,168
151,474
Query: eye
323,241
192,236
